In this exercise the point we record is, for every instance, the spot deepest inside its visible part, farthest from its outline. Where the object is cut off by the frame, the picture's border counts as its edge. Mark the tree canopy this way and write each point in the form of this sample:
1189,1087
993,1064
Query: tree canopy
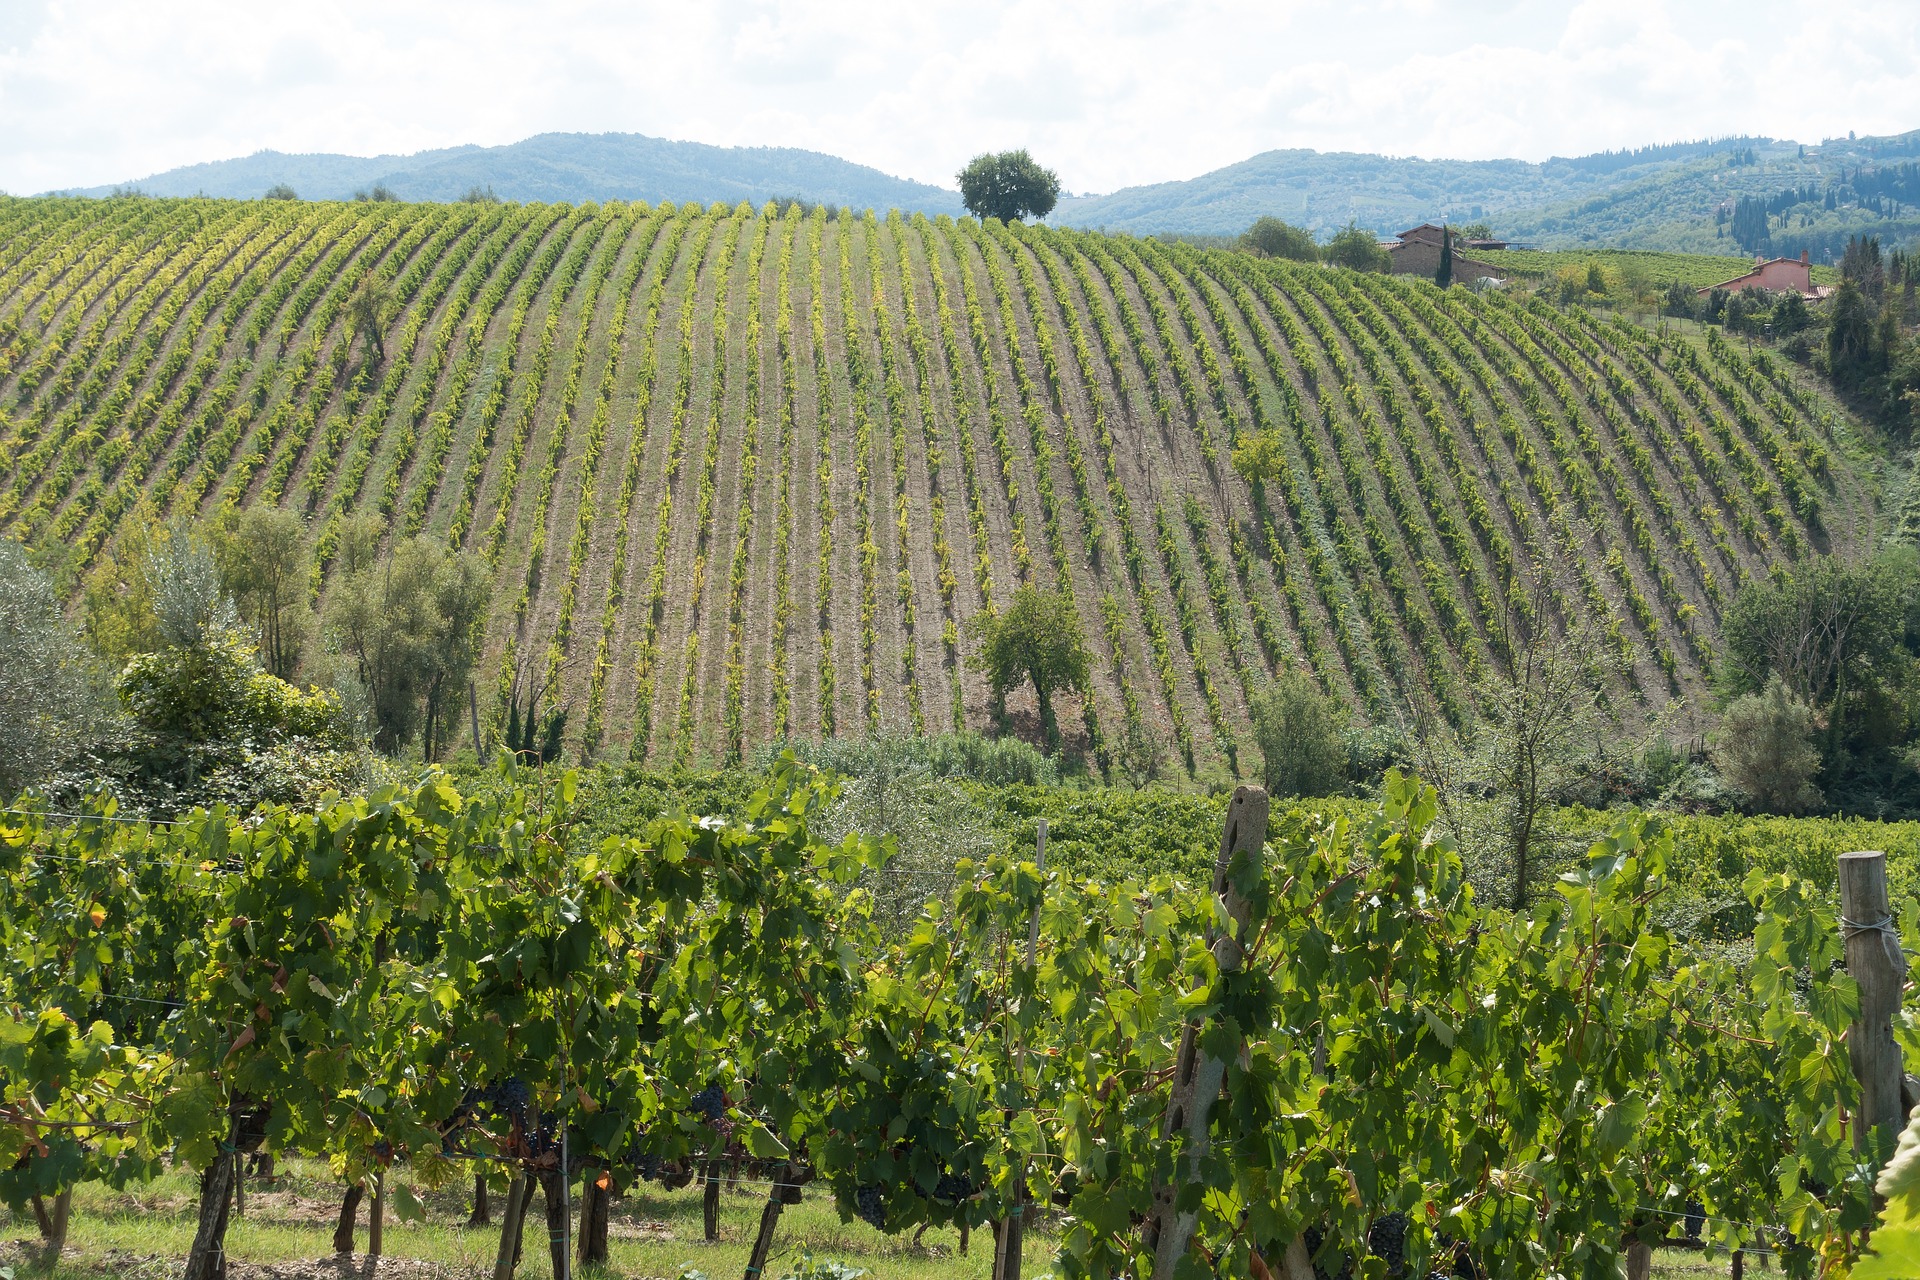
1357,248
1272,238
1037,637
1009,186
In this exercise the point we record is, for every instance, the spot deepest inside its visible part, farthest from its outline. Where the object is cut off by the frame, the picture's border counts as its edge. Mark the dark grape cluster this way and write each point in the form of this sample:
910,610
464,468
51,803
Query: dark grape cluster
1387,1238
870,1203
710,1102
509,1098
953,1187
1696,1219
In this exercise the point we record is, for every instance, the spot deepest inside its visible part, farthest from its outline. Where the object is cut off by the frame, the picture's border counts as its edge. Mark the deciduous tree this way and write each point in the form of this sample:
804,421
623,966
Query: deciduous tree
1009,186
1036,638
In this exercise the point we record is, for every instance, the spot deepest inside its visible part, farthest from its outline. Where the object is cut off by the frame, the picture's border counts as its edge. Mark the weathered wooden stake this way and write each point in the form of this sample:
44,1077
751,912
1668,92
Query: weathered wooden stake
1877,965
1198,1076
1007,1241
377,1218
710,1201
516,1207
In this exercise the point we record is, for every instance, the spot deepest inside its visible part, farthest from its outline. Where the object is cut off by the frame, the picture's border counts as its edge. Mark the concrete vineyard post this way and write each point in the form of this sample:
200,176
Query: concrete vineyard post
1877,965
1198,1076
1008,1240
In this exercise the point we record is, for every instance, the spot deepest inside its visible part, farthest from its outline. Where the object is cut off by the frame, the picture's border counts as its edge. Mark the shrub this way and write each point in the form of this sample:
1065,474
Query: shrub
54,702
1271,238
1764,746
1299,731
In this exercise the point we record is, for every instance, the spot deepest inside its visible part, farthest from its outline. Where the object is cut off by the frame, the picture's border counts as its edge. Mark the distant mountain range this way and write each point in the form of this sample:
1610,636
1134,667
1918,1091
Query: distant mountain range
572,167
1675,196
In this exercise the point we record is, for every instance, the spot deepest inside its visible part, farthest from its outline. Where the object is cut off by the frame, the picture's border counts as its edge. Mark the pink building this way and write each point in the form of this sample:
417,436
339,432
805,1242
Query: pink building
1777,274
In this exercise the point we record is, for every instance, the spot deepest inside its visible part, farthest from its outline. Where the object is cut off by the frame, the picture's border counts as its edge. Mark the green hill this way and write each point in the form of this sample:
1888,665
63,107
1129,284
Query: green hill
1675,198
742,476
572,167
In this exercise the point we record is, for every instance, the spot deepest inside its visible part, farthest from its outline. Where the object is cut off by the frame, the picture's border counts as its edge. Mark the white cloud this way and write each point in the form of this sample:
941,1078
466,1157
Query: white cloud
95,91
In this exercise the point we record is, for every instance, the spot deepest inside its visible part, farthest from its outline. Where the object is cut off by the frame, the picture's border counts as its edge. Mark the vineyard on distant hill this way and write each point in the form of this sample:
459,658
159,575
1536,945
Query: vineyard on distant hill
742,474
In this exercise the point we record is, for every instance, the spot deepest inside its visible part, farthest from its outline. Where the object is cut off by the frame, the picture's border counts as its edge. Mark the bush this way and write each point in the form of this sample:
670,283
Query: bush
1271,238
1300,734
55,705
1764,746
1357,249
995,762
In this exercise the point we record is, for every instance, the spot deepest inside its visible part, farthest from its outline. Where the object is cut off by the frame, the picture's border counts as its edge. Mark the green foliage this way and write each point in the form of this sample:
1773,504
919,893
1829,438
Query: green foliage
264,561
54,698
1272,238
281,191
1840,635
1009,186
1356,248
409,625
207,725
1896,1237
1035,638
1300,733
972,757
1764,746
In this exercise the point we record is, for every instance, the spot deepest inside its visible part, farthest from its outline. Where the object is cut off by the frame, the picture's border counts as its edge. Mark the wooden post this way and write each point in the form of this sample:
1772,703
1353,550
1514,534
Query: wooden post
1876,964
1639,1260
785,1191
1008,1240
1739,1264
510,1226
473,718
1198,1076
710,1201
377,1217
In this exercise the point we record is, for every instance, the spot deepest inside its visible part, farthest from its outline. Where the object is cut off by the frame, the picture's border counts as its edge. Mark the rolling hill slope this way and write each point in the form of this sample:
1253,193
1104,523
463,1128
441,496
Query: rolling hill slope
742,475
571,167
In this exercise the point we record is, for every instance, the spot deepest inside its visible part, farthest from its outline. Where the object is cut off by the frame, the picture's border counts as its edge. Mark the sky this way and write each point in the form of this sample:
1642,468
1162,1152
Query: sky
1109,93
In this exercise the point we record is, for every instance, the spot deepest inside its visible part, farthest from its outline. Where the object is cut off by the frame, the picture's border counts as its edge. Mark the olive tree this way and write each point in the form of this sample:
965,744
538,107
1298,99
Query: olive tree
1009,186
1764,746
408,624
54,700
1036,638
264,562
1299,732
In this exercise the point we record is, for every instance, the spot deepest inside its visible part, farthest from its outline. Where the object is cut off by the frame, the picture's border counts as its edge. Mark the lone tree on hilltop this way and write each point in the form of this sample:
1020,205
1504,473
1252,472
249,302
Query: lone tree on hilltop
281,191
1009,186
1037,638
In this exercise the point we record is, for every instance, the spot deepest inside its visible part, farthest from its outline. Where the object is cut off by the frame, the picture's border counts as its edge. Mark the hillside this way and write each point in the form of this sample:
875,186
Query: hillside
571,167
1653,198
1323,191
741,476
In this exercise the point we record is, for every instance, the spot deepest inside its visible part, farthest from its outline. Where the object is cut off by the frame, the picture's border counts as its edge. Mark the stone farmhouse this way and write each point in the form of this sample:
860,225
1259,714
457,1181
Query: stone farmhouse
1776,274
1416,252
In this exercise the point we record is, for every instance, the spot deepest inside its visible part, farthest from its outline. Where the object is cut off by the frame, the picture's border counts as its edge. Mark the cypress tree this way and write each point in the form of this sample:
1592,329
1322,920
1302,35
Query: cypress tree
1444,276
